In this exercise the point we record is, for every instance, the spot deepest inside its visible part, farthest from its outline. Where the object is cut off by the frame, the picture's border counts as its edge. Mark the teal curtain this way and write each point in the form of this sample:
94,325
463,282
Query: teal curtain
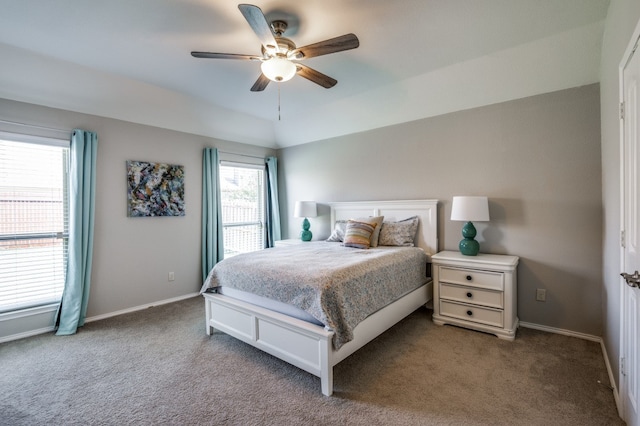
273,209
212,237
82,189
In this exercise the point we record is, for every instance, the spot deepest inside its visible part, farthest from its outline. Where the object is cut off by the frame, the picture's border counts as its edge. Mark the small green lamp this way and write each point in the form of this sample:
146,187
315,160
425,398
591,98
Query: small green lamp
469,209
305,209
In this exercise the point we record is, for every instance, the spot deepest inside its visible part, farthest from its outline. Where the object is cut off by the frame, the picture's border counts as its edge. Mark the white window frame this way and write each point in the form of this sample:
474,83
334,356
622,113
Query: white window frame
43,304
260,223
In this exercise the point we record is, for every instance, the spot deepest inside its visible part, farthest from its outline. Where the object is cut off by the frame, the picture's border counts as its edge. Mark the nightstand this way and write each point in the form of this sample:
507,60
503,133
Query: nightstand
289,242
476,292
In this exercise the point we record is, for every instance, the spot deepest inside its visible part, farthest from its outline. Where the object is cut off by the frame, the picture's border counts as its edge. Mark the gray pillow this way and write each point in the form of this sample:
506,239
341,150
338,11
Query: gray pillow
402,233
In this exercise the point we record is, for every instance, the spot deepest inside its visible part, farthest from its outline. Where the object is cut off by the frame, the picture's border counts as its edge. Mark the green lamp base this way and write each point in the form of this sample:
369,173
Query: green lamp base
468,246
305,234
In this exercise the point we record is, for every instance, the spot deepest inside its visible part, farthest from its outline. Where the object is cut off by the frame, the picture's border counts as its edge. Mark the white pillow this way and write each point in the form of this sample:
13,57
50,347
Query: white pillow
337,236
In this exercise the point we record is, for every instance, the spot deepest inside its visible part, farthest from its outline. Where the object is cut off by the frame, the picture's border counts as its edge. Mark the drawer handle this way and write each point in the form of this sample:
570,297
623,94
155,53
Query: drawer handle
470,313
469,277
469,295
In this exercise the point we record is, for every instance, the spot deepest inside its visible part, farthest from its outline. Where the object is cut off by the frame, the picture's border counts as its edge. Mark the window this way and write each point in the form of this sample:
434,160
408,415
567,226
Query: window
242,193
34,220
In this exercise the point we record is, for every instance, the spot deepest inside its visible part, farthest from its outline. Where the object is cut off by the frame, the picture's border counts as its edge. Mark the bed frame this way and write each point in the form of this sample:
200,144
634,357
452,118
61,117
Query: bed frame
309,346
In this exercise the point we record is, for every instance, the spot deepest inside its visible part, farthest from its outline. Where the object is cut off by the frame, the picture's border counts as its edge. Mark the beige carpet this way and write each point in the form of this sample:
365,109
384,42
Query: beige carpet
158,367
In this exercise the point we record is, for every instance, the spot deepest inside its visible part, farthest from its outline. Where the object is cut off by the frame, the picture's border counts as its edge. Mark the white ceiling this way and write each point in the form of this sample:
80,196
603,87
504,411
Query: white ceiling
130,60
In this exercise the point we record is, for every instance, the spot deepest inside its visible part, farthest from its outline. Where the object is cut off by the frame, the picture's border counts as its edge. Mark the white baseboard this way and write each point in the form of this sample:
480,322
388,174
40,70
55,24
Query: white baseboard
612,382
48,329
140,308
561,331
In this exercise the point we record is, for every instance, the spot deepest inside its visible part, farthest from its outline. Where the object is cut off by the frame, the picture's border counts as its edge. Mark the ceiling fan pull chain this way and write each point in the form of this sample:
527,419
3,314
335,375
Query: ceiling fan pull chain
278,101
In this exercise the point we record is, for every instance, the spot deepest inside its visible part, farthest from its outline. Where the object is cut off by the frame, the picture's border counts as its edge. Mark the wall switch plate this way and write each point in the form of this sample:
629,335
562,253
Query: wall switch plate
171,276
541,295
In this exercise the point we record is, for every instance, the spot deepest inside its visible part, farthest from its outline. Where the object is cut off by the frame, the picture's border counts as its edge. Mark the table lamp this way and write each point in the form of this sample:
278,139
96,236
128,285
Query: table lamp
468,209
305,209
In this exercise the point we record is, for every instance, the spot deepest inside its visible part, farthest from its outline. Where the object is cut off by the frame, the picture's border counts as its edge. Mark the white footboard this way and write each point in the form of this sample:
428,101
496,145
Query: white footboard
305,345
309,346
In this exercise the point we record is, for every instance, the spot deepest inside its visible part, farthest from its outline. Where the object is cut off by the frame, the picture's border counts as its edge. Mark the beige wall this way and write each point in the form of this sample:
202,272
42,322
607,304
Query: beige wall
132,256
538,161
622,18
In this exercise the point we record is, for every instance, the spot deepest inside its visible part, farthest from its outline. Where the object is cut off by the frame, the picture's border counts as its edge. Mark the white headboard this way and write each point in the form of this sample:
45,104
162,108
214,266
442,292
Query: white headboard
426,210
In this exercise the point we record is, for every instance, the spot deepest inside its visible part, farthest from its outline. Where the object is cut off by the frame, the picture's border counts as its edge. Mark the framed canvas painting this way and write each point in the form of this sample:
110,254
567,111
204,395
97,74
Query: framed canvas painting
154,189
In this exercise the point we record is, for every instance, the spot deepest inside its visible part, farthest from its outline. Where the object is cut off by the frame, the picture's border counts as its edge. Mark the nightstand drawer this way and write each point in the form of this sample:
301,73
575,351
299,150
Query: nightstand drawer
487,316
473,295
475,278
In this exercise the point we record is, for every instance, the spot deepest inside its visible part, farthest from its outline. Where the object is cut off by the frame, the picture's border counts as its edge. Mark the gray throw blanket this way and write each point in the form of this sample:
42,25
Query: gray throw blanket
339,286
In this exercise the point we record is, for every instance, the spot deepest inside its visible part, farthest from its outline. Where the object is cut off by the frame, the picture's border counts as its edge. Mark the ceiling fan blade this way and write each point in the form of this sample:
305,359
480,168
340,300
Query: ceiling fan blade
259,25
212,55
337,44
260,84
316,76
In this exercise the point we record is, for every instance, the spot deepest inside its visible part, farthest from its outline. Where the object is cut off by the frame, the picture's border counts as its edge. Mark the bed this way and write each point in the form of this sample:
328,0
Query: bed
305,341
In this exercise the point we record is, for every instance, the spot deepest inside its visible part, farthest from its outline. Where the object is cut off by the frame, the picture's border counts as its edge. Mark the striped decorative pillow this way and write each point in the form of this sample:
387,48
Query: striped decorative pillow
377,220
358,234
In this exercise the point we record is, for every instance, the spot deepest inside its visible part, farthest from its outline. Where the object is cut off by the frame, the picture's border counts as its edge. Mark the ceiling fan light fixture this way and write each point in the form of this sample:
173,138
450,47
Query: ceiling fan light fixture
278,69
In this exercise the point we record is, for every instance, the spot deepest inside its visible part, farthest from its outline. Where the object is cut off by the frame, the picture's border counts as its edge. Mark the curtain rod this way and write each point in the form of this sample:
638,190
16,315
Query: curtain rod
17,123
241,155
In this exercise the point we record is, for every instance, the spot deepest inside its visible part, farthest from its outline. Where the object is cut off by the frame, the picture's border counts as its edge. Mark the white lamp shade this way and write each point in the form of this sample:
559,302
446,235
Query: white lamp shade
278,69
305,209
470,209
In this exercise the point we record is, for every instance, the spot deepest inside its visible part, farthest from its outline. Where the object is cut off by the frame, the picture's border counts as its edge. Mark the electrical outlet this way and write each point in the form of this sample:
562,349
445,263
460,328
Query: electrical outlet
172,276
541,295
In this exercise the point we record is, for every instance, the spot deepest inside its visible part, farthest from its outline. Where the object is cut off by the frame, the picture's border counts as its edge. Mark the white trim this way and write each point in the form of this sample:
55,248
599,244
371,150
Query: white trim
40,140
24,334
561,331
140,307
628,53
224,163
612,382
34,128
27,312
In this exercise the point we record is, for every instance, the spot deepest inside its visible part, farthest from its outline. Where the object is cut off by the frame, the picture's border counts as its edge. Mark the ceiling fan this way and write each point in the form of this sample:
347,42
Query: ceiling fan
280,54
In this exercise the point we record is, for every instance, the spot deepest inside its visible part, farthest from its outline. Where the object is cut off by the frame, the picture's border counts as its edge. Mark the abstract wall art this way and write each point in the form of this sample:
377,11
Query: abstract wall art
154,189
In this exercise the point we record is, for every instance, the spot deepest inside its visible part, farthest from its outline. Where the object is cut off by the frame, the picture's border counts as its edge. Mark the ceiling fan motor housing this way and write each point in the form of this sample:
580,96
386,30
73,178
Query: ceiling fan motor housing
278,27
284,46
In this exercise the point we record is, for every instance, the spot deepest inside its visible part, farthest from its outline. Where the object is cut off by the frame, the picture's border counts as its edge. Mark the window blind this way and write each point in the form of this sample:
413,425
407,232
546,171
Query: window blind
34,220
242,194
